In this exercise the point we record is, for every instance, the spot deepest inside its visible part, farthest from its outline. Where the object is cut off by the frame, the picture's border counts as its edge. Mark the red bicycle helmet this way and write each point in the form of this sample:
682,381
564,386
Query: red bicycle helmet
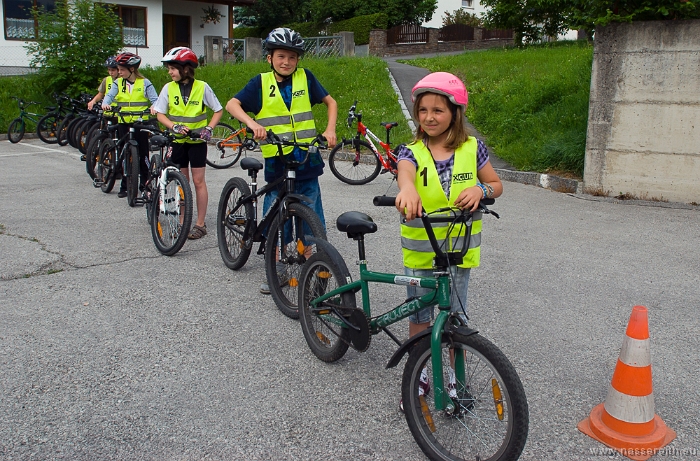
445,84
128,59
181,55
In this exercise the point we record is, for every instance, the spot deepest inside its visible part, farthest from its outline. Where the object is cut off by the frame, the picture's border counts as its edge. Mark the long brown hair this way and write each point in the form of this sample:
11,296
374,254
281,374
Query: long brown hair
457,134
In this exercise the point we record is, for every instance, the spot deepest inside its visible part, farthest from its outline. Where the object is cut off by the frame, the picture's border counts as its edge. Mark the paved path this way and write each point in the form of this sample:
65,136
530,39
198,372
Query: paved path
128,355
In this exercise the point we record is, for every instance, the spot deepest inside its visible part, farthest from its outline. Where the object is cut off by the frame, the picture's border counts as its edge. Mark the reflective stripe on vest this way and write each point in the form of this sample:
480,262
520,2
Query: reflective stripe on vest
136,101
296,123
193,114
417,251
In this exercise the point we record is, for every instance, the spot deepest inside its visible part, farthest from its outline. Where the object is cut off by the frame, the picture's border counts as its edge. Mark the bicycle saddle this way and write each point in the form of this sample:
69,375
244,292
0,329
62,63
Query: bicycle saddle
390,125
355,222
249,163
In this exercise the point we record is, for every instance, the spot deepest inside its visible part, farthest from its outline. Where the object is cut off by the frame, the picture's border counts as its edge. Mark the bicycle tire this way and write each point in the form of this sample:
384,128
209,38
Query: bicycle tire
62,134
15,131
474,430
73,125
220,155
152,184
169,234
327,338
300,222
92,156
86,130
131,165
354,162
234,224
107,170
47,128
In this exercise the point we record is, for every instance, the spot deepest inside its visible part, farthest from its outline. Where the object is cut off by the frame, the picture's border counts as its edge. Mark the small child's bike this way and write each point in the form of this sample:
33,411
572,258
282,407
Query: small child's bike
462,398
357,161
227,144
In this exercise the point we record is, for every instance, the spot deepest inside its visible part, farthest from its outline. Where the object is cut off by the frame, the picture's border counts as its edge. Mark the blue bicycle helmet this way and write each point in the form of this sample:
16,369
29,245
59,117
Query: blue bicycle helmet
111,62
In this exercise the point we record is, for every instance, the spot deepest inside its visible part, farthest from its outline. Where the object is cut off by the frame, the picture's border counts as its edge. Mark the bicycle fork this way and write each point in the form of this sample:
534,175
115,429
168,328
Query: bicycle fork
162,201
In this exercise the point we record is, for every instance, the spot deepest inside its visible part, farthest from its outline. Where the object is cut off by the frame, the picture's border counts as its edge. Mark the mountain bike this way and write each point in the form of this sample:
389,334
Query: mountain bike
357,161
226,145
47,127
167,195
75,108
121,156
17,127
462,397
284,233
95,137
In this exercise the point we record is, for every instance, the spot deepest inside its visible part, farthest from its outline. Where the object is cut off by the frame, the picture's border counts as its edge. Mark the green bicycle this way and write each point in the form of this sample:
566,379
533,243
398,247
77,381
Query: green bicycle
477,409
17,127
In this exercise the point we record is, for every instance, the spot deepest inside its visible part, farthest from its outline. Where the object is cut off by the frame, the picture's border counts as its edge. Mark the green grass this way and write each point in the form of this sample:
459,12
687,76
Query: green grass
530,104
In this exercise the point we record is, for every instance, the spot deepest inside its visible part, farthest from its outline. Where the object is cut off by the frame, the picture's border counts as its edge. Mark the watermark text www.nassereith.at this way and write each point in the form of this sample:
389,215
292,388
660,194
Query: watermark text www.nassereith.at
670,452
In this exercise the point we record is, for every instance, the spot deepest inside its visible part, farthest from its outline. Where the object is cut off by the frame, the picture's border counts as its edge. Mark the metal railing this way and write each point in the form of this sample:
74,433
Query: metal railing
233,50
323,47
406,33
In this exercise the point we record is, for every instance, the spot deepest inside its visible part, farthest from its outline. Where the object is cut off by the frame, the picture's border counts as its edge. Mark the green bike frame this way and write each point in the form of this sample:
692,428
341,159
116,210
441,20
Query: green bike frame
440,294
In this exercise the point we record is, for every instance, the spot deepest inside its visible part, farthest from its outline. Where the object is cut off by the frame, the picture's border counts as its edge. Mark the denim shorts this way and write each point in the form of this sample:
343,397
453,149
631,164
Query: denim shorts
307,187
458,285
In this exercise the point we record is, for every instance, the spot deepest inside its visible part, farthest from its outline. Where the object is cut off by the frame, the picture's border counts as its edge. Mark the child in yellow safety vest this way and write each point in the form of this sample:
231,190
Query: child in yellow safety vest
444,166
106,84
181,107
132,92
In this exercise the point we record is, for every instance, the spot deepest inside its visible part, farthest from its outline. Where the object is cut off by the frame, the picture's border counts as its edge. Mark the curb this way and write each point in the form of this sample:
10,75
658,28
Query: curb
546,181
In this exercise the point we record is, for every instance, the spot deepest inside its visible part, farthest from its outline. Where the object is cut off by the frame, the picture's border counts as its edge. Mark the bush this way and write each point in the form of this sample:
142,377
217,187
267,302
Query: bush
306,29
361,25
243,32
461,17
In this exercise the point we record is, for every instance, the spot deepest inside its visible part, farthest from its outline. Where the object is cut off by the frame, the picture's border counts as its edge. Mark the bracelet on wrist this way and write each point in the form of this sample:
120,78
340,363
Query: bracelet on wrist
483,189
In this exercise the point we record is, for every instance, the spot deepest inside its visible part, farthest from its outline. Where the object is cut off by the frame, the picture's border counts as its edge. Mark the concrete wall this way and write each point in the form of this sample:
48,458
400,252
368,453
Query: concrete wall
644,116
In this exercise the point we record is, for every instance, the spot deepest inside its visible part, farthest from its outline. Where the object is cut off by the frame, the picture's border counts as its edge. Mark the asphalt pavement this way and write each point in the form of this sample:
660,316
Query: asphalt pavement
109,350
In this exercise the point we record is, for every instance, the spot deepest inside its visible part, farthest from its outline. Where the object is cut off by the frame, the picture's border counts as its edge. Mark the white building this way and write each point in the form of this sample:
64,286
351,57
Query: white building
151,27
471,6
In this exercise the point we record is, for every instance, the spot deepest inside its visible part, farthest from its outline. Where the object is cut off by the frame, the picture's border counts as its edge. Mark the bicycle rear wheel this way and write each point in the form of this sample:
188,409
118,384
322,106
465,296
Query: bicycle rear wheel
62,134
354,162
234,224
171,214
131,163
73,126
490,419
107,169
15,132
326,334
223,149
286,250
47,128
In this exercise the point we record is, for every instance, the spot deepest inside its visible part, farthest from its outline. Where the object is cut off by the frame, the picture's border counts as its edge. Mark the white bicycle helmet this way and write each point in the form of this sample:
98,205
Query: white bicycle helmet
284,39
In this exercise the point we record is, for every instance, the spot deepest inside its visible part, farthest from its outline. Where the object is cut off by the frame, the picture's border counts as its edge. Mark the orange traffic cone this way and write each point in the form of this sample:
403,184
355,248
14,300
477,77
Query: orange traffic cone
626,421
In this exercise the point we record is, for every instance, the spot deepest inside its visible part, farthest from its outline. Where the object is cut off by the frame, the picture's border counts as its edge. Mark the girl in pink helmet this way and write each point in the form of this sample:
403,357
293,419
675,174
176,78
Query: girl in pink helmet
444,166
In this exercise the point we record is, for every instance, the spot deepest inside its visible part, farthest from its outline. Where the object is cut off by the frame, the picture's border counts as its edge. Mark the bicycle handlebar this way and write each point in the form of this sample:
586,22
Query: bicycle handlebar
312,147
458,217
351,113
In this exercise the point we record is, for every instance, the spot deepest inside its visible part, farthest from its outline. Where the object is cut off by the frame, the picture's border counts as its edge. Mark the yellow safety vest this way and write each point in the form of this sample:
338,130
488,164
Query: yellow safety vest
193,114
417,251
296,123
132,102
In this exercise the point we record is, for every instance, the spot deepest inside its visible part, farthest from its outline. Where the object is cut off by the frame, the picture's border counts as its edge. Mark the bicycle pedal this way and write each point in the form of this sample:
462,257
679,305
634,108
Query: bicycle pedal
384,170
96,183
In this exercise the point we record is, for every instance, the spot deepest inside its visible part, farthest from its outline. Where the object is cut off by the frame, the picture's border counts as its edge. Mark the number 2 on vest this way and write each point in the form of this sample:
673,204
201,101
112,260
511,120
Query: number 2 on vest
272,91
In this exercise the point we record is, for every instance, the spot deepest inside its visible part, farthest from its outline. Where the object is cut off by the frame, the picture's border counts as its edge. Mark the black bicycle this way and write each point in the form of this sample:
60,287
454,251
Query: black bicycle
286,229
121,156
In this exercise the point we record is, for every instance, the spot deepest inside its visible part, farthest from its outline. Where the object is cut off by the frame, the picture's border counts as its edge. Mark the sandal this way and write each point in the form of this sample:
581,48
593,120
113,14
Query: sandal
197,232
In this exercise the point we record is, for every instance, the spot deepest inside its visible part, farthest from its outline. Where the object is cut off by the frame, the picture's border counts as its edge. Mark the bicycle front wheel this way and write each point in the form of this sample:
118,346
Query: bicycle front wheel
327,335
490,419
62,135
354,162
15,132
287,248
132,174
107,169
234,224
171,214
224,148
92,159
47,128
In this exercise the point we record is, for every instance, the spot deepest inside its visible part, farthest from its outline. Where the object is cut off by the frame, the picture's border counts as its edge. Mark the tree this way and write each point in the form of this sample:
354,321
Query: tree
461,16
399,11
269,14
533,19
73,43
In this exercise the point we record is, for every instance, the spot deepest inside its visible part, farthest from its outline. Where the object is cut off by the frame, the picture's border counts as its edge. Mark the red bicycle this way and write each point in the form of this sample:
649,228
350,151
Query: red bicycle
357,161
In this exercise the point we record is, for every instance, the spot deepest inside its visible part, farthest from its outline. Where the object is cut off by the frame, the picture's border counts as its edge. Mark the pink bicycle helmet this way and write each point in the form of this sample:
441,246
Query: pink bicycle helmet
445,84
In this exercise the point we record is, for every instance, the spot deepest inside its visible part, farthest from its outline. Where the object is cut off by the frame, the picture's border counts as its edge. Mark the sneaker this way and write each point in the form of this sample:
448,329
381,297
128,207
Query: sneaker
281,274
463,399
121,194
423,387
